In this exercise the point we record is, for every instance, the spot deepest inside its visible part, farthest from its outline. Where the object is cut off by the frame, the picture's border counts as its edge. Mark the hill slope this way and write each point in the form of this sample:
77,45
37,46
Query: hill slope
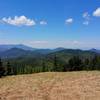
51,86
17,52
66,54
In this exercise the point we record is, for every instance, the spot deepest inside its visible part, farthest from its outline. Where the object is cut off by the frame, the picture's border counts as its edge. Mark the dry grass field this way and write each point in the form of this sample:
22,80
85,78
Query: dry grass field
51,86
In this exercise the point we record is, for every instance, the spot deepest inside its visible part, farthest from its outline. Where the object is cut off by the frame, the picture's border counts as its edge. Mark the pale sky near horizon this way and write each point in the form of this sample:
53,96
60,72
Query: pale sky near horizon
50,23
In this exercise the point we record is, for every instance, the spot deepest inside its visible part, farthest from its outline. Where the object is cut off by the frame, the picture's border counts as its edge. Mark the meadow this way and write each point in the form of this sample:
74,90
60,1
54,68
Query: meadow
83,85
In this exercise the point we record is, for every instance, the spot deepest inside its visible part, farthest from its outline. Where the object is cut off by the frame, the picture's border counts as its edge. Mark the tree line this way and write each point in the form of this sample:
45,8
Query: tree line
75,63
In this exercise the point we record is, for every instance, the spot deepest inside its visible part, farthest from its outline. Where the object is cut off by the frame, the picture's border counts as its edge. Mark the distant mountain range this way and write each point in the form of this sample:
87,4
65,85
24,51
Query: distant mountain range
20,46
13,51
95,50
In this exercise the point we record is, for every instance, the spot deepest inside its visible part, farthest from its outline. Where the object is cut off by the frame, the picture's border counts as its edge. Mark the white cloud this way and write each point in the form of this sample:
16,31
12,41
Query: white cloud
97,12
39,42
43,22
75,42
72,42
86,15
19,21
87,18
69,21
86,22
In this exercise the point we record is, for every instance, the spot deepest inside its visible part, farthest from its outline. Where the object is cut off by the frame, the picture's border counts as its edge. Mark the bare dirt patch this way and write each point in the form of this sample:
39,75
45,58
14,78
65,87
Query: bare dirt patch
51,86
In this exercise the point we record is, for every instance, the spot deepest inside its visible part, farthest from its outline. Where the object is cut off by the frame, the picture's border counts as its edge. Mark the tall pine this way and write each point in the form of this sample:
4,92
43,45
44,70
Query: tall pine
9,69
2,71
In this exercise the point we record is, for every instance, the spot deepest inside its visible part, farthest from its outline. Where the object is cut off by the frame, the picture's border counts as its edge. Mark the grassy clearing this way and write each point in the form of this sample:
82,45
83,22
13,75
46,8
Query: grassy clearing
51,86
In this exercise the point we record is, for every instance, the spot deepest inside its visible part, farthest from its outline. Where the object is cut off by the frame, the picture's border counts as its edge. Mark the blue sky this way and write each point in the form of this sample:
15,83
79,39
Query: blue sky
50,23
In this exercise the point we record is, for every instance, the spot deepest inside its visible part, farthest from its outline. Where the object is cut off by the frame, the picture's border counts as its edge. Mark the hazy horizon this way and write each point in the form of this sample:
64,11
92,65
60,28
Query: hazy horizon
48,47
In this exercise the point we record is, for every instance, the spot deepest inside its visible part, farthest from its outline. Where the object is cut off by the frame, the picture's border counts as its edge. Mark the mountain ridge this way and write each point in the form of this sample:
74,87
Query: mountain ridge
23,50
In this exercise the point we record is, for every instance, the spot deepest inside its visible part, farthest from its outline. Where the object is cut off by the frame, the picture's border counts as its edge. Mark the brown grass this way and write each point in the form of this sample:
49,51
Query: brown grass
51,86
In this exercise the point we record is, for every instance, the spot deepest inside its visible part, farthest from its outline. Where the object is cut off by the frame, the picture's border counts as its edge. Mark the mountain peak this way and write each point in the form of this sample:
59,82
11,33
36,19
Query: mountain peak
95,50
5,47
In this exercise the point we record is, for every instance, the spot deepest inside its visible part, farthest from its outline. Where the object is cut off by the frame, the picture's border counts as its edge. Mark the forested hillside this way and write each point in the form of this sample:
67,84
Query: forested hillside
21,61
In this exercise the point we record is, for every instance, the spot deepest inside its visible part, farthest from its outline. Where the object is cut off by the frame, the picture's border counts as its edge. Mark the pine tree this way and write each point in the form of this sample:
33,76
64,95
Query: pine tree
86,64
9,69
94,63
55,63
75,64
43,67
2,71
57,67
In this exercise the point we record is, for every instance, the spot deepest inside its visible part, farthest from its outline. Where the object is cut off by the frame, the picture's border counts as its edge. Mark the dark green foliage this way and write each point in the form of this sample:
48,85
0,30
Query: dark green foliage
77,64
95,63
43,67
9,69
57,64
74,64
86,65
2,70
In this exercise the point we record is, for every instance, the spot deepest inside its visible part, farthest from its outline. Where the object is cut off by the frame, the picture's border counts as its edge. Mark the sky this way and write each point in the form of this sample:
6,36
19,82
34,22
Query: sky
50,23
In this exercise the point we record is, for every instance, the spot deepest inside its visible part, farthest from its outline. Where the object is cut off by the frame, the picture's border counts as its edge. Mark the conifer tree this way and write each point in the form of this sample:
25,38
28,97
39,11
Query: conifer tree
2,71
43,66
9,69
